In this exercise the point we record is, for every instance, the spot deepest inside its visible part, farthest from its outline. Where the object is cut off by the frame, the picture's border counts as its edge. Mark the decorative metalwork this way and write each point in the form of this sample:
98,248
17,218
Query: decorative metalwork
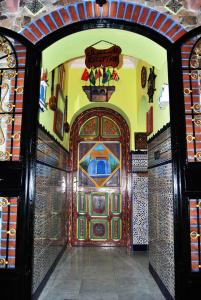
3,261
4,202
11,232
198,156
187,91
195,234
190,138
192,95
196,107
197,121
12,70
5,155
8,225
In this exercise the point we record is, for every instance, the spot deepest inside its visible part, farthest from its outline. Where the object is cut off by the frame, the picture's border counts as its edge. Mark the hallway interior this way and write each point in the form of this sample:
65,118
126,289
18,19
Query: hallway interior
100,273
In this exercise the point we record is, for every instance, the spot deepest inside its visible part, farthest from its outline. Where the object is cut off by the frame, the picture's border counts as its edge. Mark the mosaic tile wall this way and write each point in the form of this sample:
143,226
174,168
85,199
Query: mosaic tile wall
51,205
139,194
160,209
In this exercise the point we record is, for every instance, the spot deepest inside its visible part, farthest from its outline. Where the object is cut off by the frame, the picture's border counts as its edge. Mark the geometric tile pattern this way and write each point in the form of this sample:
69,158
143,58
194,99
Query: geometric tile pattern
83,10
50,218
48,151
160,149
161,217
139,162
140,208
139,195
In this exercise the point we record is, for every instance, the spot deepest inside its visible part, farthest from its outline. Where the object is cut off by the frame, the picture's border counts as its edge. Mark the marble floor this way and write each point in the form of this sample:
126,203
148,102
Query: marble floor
101,274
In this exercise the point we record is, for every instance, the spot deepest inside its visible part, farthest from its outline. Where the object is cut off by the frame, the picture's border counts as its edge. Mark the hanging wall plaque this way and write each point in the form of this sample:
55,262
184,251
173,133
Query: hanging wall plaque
151,85
102,57
143,77
100,71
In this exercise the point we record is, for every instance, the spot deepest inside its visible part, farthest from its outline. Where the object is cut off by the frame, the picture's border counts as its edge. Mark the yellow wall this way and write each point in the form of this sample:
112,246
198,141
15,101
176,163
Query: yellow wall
129,99
123,97
160,116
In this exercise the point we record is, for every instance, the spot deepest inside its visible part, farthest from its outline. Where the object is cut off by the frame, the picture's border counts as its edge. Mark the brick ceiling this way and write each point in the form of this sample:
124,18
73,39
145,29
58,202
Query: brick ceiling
16,14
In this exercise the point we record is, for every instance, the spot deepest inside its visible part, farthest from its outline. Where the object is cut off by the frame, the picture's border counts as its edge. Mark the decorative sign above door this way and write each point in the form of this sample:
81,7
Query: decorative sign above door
101,64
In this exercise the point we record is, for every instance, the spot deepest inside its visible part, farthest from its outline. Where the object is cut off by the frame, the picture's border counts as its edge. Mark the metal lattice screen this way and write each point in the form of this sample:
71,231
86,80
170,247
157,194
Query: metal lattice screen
12,73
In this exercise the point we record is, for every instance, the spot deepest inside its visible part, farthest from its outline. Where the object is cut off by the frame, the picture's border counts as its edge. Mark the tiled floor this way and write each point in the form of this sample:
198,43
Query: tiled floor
101,274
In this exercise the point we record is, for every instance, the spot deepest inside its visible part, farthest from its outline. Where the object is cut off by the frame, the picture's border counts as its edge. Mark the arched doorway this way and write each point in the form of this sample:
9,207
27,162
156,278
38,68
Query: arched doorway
115,15
101,209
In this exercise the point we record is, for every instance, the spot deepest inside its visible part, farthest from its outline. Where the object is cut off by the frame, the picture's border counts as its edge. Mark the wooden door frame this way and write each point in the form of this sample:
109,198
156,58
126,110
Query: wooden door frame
126,162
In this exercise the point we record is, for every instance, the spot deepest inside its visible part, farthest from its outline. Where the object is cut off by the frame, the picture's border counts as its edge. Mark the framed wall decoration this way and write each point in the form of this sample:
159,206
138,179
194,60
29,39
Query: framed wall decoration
151,85
149,121
61,74
143,77
140,140
59,113
43,88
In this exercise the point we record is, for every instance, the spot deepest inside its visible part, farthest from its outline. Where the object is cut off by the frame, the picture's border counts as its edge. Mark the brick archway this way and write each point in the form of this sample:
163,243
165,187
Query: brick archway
116,10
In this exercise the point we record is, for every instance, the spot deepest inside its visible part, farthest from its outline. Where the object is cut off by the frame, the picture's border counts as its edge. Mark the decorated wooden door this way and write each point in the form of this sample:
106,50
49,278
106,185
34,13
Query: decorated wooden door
100,204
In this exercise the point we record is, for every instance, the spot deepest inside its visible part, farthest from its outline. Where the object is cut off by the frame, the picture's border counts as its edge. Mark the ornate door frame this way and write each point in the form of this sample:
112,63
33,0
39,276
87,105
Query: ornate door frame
125,142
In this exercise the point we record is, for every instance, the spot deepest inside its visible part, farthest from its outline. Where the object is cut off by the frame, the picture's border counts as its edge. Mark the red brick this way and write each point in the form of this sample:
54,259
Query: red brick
81,11
105,10
50,23
21,54
21,61
166,25
73,13
179,34
173,30
57,18
136,13
143,15
42,27
185,55
113,10
185,48
35,30
11,261
89,9
29,36
65,16
129,10
152,18
96,9
159,21
121,11
19,48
